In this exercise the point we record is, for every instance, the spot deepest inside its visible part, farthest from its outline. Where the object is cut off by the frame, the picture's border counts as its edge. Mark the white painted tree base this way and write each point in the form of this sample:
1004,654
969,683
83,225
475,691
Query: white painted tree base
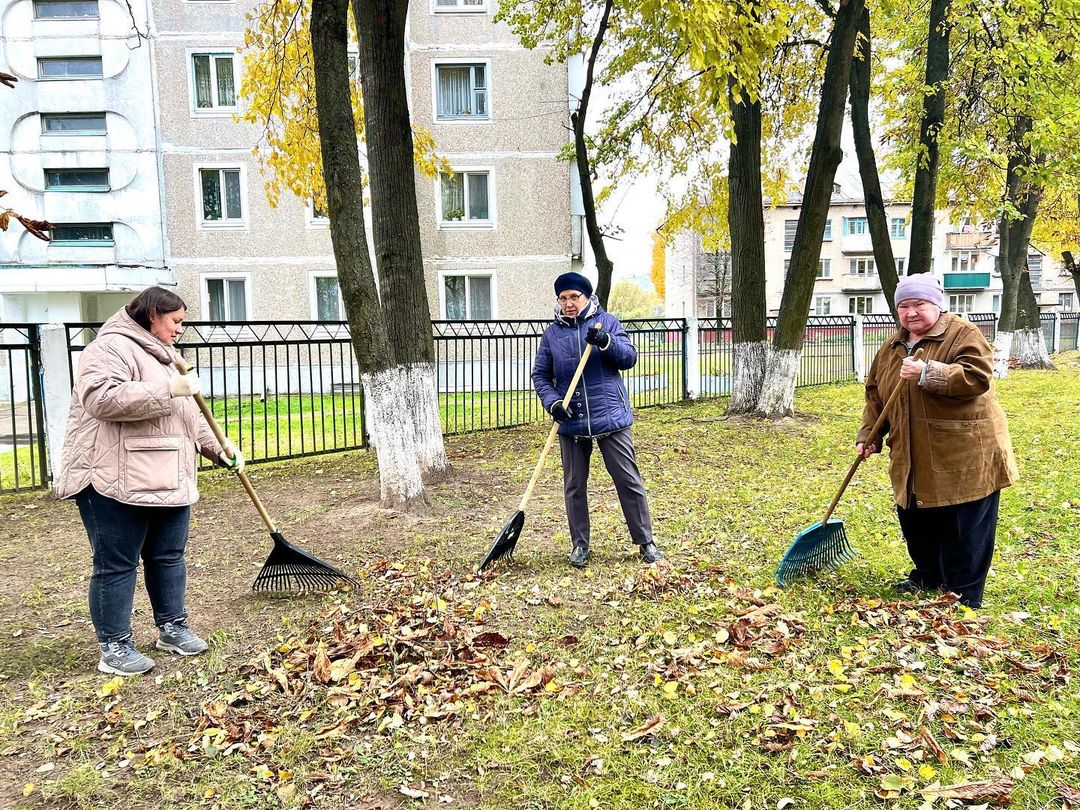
1031,349
422,401
749,361
777,398
390,424
1002,351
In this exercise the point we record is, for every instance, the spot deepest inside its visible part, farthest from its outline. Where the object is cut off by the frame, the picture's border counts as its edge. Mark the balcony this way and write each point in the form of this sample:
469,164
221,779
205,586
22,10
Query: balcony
967,281
860,282
975,240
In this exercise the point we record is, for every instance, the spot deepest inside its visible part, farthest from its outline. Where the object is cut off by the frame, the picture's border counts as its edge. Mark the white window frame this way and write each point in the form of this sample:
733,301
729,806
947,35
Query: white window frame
962,303
856,262
36,3
853,306
313,293
824,269
223,224
819,300
827,235
217,111
901,263
76,77
462,62
971,257
468,224
472,273
311,222
791,227
204,292
459,8
995,304
1067,297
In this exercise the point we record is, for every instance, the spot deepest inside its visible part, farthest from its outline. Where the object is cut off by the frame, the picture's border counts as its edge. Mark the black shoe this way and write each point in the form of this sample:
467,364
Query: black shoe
649,553
909,585
579,557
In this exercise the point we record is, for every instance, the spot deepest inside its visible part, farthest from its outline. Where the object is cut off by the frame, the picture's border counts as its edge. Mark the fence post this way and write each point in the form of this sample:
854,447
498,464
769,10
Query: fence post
858,347
691,352
56,382
1057,333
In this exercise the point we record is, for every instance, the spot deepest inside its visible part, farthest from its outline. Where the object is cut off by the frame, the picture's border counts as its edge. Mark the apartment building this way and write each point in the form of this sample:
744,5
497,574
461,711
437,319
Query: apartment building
964,257
80,138
130,144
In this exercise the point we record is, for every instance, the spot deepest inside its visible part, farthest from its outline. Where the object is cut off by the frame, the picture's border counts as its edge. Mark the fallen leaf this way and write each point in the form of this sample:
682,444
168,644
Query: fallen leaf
647,729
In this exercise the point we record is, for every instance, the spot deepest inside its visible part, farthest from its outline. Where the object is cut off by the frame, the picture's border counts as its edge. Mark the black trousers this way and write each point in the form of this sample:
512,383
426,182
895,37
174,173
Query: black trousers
618,451
952,546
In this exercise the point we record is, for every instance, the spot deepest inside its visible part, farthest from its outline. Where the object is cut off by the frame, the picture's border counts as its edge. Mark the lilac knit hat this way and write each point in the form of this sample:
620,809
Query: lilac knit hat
921,286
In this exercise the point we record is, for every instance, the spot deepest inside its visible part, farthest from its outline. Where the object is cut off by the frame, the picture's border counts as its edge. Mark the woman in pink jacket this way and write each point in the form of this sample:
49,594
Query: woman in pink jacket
129,463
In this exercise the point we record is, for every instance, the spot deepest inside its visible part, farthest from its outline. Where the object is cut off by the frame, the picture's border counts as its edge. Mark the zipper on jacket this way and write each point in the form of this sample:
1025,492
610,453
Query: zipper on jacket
584,387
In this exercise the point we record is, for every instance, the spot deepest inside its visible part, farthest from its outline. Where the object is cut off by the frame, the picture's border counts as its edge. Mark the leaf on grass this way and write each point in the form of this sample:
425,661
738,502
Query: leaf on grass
413,793
647,729
491,639
111,687
998,791
320,670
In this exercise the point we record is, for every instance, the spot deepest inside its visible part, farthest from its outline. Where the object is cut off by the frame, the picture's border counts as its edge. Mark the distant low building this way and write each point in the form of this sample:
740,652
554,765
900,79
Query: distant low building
964,258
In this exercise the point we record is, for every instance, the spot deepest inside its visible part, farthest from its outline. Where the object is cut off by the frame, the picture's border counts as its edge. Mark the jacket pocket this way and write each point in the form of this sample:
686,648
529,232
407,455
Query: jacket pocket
152,463
957,444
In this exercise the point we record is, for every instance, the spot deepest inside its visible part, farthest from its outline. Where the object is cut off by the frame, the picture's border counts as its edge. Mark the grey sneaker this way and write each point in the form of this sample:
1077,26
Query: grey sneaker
177,637
121,658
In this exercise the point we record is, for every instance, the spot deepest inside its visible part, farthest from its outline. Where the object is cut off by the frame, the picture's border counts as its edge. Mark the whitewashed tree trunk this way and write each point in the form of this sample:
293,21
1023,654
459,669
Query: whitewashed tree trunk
1002,351
422,401
749,361
390,424
1031,349
777,398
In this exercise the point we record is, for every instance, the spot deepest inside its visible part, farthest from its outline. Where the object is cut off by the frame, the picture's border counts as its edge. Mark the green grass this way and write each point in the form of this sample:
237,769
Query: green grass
827,693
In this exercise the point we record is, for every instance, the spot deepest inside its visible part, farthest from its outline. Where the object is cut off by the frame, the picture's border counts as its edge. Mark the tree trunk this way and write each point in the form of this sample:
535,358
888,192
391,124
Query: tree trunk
389,424
1030,341
778,390
604,265
395,224
746,223
926,171
873,199
1014,236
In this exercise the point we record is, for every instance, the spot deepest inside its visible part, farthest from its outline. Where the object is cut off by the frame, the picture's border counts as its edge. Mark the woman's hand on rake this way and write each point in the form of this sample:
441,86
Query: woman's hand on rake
231,457
866,450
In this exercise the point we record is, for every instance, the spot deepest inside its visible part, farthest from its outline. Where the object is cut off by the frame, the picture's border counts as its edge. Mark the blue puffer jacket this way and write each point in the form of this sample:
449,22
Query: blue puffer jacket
600,403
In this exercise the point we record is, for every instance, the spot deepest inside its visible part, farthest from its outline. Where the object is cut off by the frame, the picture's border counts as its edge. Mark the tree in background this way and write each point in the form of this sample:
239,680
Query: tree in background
390,389
630,300
781,375
658,269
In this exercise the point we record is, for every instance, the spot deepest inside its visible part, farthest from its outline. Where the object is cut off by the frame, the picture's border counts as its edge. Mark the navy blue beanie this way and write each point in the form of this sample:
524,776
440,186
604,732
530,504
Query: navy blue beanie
573,281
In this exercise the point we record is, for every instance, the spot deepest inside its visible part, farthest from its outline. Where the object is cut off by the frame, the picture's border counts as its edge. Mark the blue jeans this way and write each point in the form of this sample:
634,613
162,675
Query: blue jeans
119,533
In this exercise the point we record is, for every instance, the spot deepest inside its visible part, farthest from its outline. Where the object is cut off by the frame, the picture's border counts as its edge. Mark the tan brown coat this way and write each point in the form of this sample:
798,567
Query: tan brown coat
126,435
948,439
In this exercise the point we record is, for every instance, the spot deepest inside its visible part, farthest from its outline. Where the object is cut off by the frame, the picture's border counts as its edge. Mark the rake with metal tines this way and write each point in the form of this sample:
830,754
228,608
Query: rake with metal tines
287,568
823,546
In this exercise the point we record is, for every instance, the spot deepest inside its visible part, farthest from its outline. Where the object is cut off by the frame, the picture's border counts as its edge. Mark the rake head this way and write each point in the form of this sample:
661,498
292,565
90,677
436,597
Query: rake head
506,541
289,569
820,547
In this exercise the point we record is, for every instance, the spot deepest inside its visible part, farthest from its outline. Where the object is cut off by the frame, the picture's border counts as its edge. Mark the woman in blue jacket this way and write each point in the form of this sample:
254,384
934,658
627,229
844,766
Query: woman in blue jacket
599,410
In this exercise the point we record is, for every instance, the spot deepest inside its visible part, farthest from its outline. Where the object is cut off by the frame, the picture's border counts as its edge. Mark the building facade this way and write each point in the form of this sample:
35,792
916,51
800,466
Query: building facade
964,257
130,144
81,141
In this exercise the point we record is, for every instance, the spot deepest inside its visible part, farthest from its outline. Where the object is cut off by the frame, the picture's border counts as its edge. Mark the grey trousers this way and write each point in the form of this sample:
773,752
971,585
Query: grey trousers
618,452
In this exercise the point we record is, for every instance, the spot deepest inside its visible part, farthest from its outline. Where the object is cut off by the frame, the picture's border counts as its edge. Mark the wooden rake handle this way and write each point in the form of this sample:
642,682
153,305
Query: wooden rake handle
895,395
555,427
219,434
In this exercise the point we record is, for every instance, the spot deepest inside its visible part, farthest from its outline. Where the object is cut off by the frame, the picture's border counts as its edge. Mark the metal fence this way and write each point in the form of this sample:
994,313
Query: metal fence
278,389
23,463
288,389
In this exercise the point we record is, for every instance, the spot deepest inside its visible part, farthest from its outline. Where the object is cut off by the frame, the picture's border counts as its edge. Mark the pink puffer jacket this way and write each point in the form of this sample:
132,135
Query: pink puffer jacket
126,435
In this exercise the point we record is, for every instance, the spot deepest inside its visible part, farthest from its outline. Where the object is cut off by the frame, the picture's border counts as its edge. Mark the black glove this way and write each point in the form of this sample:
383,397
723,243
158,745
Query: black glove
559,413
598,336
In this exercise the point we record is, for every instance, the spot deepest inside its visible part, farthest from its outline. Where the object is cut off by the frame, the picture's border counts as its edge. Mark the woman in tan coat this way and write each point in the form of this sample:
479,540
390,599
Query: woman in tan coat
129,463
949,448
